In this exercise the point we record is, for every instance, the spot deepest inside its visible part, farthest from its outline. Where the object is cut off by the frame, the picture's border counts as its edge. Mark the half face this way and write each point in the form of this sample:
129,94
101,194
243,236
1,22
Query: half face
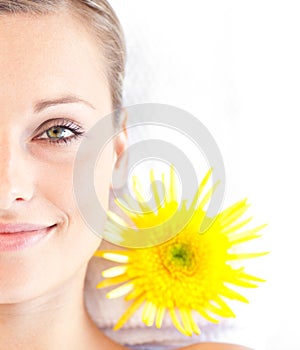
53,89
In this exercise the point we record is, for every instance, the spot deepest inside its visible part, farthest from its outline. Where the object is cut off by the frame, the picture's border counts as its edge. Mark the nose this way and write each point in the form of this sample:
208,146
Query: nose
16,183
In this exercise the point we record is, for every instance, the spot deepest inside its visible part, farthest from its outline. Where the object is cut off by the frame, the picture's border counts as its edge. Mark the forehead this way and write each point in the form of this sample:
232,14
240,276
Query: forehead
48,54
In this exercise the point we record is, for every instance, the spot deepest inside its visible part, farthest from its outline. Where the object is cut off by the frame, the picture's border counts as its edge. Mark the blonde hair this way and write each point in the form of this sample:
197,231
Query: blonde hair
100,18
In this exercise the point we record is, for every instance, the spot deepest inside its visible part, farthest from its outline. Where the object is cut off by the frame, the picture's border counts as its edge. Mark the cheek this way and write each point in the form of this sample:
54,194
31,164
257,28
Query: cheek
55,180
77,233
56,185
103,175
82,234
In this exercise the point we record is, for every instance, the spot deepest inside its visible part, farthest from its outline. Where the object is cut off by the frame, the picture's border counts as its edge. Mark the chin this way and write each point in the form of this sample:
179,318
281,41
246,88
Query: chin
17,295
27,278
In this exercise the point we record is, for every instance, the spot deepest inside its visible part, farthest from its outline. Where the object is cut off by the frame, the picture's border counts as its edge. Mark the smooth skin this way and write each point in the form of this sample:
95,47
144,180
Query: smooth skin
41,300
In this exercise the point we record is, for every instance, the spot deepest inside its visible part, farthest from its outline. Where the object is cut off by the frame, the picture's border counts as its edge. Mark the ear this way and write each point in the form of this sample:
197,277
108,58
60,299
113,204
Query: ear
121,140
120,171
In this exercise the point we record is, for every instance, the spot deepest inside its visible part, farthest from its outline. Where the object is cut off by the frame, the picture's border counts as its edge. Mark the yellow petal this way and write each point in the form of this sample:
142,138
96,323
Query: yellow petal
177,323
247,276
137,187
151,315
201,187
114,271
236,227
173,187
112,281
160,316
242,256
245,236
206,315
132,203
232,213
194,325
223,306
186,321
129,312
207,197
231,294
116,218
120,257
154,189
122,290
146,311
237,279
220,310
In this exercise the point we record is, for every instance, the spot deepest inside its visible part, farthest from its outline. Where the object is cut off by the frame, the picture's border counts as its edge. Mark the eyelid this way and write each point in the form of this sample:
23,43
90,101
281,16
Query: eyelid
57,122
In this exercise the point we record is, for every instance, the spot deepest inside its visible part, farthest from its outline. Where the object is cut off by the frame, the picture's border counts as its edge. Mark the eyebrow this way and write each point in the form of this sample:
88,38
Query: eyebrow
43,104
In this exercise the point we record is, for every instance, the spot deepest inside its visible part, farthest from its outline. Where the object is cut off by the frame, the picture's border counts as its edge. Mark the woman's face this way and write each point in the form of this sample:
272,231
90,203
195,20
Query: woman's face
44,63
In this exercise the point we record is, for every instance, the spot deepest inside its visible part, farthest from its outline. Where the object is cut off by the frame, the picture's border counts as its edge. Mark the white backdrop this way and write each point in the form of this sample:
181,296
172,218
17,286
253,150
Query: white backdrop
235,66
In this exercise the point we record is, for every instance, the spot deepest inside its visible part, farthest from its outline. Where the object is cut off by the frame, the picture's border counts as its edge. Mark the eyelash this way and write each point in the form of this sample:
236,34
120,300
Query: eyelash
64,124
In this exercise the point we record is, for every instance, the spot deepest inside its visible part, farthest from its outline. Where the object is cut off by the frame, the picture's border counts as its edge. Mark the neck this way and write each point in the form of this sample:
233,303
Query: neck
57,320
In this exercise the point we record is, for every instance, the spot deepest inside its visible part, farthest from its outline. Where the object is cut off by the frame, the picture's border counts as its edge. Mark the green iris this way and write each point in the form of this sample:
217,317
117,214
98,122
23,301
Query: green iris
56,132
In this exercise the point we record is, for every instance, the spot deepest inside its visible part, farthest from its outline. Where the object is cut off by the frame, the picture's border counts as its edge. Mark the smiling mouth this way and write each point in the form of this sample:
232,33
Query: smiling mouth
20,237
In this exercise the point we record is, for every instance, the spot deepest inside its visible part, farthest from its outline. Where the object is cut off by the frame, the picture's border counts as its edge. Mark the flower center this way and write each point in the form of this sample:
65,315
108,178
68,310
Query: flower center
180,255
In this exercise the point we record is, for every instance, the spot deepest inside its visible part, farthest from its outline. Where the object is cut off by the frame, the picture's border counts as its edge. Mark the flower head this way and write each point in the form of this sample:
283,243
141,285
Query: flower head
190,272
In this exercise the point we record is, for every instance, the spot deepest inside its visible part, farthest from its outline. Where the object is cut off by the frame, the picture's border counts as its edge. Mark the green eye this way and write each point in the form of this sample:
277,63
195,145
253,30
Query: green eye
64,131
57,132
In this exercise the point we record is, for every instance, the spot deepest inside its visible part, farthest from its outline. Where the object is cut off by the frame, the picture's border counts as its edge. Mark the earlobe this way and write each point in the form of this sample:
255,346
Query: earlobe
121,143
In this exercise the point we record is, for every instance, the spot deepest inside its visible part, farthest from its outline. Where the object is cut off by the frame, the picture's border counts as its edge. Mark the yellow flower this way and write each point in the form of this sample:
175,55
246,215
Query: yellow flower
187,273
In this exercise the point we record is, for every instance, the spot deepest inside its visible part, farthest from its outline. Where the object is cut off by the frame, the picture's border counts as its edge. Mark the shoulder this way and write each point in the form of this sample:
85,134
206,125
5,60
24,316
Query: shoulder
214,346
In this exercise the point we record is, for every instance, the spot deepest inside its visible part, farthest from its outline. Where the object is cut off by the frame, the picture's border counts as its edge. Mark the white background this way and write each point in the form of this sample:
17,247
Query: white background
236,66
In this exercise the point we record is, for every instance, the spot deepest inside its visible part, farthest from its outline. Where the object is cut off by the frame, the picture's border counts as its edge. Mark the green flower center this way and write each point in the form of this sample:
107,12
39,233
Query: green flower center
180,255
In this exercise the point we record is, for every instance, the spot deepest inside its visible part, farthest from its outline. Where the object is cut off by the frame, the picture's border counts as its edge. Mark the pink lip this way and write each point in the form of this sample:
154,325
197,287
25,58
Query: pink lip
20,236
